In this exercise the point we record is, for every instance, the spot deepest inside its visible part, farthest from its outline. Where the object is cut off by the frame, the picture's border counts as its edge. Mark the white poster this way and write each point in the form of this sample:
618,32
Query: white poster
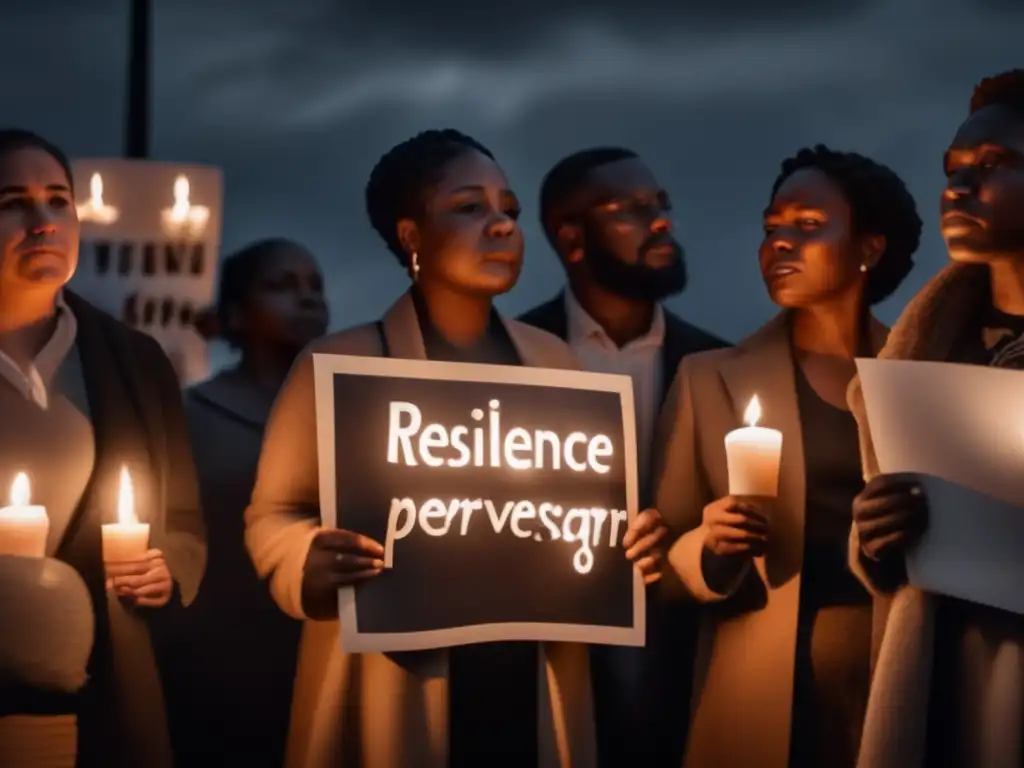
962,428
150,240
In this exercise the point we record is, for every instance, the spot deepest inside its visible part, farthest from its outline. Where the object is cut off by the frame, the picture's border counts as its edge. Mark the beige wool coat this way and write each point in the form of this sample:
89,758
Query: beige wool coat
895,728
374,710
745,663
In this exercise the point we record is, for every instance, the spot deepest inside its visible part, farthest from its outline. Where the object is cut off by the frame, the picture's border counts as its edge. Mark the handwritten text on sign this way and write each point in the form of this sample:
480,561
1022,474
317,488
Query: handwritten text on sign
412,443
501,495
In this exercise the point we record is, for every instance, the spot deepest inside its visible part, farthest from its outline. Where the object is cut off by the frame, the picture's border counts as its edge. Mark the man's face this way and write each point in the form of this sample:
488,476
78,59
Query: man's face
625,236
983,202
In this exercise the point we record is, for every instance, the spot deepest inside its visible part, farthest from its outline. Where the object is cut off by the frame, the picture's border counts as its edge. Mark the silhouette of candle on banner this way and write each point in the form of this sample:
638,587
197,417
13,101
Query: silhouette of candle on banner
150,240
183,217
95,210
753,455
23,526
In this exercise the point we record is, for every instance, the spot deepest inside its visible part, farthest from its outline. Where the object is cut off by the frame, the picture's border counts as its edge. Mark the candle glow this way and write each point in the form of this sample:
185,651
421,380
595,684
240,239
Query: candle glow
753,455
94,209
23,526
183,216
127,540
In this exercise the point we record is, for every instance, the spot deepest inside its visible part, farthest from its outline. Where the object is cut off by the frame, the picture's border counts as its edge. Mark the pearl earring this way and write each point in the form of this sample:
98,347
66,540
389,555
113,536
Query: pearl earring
863,267
415,265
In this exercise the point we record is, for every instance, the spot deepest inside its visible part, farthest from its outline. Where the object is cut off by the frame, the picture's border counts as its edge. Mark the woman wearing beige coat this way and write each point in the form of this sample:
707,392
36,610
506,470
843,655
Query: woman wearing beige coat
948,687
782,668
443,207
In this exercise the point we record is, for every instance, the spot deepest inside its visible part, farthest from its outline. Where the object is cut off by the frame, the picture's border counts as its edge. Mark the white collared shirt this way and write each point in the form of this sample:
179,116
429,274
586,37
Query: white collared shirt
640,359
34,382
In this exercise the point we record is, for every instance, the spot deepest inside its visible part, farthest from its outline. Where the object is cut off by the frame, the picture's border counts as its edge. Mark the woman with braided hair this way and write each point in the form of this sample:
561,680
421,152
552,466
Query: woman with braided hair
444,209
782,667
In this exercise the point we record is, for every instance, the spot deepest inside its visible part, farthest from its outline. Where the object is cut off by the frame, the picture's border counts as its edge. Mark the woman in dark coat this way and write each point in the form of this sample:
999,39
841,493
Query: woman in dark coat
82,396
231,691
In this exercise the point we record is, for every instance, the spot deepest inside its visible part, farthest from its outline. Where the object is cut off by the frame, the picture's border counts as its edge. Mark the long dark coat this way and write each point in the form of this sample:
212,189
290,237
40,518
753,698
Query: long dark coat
136,412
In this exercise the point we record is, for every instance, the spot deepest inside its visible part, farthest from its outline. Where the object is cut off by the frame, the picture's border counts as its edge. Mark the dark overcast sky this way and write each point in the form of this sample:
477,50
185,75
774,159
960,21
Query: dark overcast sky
297,100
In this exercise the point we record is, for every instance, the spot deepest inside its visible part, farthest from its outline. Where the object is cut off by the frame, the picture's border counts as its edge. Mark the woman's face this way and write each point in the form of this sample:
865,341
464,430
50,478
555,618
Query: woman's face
285,306
468,238
809,254
39,230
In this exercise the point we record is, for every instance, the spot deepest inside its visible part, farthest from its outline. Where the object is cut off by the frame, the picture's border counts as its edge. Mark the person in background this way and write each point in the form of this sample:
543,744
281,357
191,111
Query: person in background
81,397
608,219
443,207
784,654
948,689
234,653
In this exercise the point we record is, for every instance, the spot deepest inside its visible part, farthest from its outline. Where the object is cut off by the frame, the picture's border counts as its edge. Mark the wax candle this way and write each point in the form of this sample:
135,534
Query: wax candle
127,540
95,209
23,526
752,456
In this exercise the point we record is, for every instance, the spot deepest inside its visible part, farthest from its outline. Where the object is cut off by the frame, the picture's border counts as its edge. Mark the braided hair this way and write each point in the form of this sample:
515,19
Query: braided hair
880,204
400,180
1004,90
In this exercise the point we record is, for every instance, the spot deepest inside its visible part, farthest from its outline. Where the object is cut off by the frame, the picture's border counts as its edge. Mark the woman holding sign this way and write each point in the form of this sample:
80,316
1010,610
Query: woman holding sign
444,209
783,657
949,685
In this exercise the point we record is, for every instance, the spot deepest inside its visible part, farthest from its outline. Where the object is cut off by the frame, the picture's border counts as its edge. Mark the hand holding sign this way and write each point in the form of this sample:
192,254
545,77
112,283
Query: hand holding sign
336,559
891,514
643,543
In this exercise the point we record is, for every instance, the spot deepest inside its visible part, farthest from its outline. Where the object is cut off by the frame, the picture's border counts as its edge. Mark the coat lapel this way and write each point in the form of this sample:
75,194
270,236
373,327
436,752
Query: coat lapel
123,710
113,392
402,331
765,368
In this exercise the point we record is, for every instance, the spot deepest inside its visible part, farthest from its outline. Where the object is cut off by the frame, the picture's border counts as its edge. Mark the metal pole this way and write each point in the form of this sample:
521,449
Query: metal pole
139,80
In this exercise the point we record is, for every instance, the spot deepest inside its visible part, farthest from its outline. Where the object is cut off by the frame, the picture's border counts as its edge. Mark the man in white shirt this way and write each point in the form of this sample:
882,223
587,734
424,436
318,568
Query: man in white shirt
608,219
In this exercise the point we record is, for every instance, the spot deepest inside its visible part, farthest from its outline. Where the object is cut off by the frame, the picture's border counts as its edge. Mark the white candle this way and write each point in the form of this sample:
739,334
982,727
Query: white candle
752,456
94,209
23,526
184,216
127,540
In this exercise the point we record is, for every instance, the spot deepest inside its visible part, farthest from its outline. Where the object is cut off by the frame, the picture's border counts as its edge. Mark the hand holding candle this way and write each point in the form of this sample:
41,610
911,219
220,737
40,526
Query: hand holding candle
23,526
753,455
134,571
127,540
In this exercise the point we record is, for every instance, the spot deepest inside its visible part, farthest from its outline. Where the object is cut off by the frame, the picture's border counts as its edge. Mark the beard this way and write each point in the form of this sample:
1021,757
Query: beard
638,282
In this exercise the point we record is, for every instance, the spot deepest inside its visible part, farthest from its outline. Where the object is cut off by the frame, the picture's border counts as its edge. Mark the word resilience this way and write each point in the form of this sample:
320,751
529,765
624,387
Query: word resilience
484,444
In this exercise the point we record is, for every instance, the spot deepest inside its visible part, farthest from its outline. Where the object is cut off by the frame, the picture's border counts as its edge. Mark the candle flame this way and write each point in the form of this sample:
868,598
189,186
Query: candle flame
20,490
126,499
182,190
753,413
183,214
96,190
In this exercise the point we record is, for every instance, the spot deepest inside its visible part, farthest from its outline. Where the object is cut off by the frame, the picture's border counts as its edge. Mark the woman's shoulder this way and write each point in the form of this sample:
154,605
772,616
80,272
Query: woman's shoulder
544,349
361,340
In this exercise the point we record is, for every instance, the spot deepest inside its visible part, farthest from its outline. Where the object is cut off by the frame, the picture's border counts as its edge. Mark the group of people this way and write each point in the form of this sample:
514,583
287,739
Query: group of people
780,634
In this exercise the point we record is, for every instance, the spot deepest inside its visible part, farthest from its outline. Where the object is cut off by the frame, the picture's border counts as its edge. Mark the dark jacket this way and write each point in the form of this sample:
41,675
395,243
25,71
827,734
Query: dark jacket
658,735
233,666
136,412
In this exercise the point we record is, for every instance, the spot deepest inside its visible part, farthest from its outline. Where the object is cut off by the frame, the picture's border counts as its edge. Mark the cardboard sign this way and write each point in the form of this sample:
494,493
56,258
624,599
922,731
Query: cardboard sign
150,239
501,495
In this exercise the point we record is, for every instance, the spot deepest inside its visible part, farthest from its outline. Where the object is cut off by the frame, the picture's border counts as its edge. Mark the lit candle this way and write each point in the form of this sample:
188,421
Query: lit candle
94,209
183,216
127,540
752,456
23,526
